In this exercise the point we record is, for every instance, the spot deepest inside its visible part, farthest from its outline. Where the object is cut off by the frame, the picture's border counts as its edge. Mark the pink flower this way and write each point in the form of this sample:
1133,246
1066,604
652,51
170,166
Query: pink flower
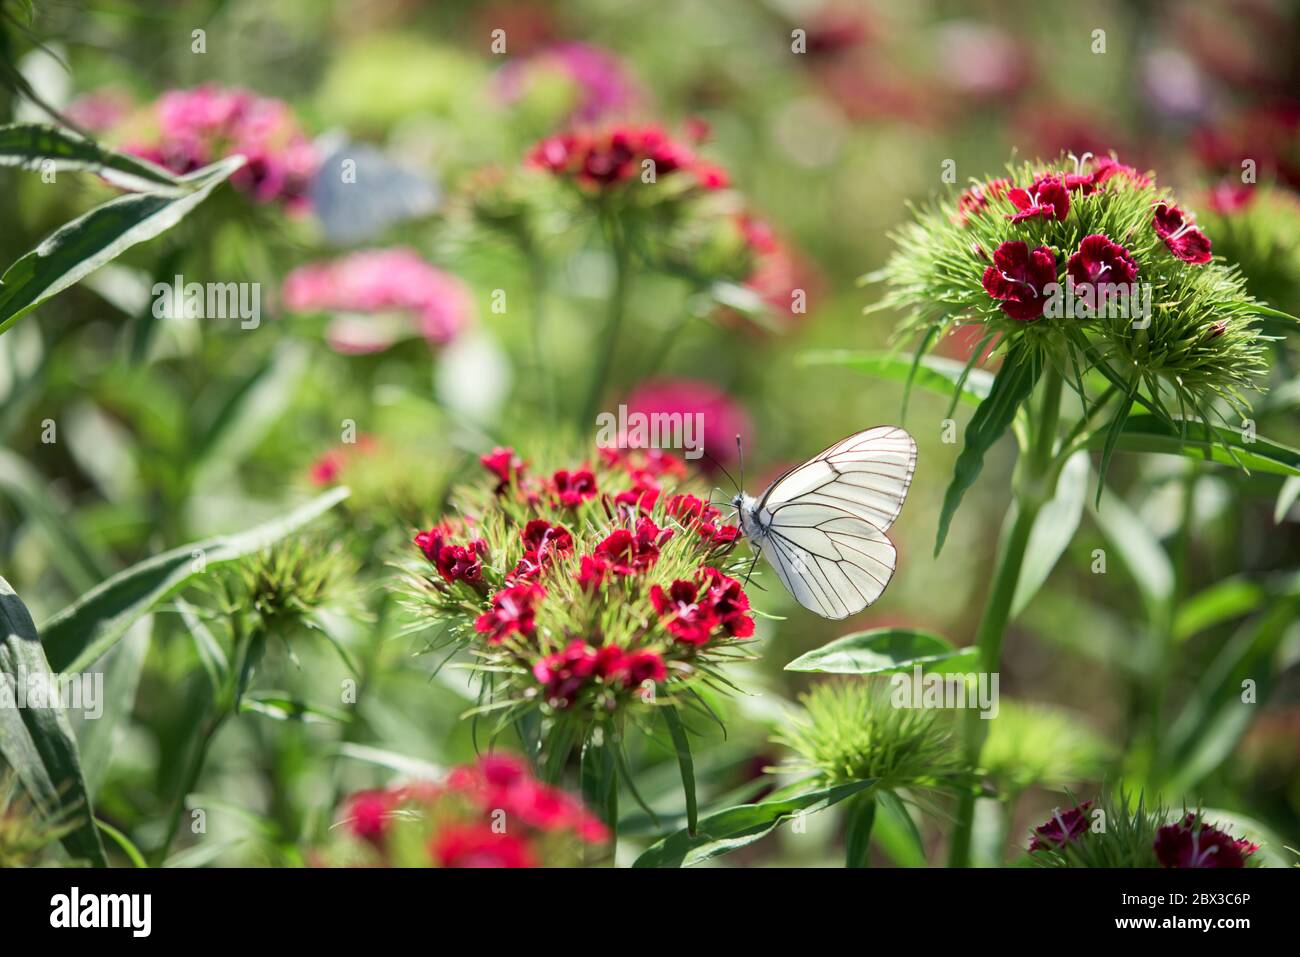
1047,197
615,156
368,814
512,612
703,517
1097,265
1062,828
1018,279
696,611
720,417
542,543
201,125
377,282
603,85
1228,197
1180,234
1193,843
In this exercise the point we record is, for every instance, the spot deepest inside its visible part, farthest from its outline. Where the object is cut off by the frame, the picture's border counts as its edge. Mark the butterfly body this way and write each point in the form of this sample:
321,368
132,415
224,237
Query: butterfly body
821,525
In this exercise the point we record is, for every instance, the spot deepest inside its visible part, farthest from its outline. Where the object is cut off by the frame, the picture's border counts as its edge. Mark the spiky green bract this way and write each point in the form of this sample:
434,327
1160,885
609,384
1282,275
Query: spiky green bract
1203,342
286,583
851,730
1263,238
1036,745
619,612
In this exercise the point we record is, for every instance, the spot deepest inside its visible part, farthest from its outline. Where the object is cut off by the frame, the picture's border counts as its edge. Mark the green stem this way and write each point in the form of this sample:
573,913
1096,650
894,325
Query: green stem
613,321
1035,476
543,372
857,836
189,780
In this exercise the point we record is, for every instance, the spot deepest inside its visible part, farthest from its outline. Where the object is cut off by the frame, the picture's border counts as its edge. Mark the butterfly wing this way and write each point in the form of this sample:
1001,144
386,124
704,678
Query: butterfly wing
867,475
822,524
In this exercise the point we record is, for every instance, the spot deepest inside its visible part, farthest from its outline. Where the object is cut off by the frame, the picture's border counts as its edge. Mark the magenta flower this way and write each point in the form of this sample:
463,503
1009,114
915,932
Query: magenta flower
603,85
1099,264
1228,197
512,613
1063,827
1180,234
379,282
1047,197
722,417
196,127
1018,279
1192,843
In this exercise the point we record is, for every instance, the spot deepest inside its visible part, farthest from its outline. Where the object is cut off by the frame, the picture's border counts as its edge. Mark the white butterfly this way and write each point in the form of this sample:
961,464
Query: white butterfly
822,524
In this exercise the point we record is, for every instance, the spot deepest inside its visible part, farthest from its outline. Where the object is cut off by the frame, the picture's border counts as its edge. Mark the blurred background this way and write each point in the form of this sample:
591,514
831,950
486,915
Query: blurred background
828,119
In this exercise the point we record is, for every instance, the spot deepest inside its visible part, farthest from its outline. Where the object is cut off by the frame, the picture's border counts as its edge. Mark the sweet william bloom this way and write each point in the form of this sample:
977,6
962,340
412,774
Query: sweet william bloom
1180,234
628,552
1228,197
592,572
704,518
479,845
685,618
505,465
512,612
543,542
1064,827
1018,278
975,200
615,156
1099,262
573,488
454,562
1192,843
368,814
1047,197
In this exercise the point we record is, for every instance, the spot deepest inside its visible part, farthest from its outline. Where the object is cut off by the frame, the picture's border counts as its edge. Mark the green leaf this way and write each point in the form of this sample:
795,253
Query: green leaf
1286,497
938,375
1148,433
37,742
78,248
1012,385
32,495
1054,526
401,763
33,145
895,831
1140,552
280,706
78,635
883,650
244,419
121,840
121,667
1223,601
1113,433
736,827
682,745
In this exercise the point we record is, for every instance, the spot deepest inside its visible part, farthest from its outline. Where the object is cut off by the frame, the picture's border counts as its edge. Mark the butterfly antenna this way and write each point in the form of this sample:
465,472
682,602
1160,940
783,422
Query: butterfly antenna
722,467
740,453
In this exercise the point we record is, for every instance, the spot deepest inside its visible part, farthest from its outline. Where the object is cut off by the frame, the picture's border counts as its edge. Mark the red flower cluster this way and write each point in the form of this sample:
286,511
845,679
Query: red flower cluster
1180,234
571,489
703,518
1099,263
697,611
505,465
459,817
455,563
609,158
564,674
1018,278
1190,843
513,612
543,542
